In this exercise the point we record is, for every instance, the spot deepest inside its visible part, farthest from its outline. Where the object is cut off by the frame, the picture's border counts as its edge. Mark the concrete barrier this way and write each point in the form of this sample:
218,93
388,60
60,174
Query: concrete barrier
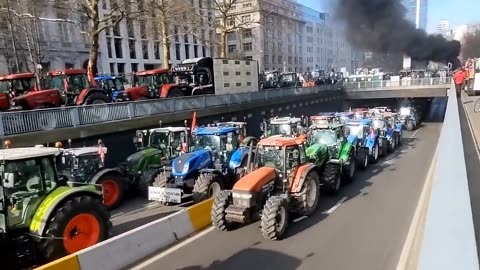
132,246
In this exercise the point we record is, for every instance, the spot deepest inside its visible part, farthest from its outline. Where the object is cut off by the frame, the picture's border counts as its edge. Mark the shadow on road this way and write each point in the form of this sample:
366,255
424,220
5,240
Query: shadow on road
253,258
130,225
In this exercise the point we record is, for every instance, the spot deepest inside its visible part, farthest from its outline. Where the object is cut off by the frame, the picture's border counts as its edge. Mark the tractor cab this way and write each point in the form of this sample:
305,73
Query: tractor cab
219,141
37,204
80,164
113,85
289,79
322,121
284,126
332,135
361,113
172,141
192,77
148,84
344,117
271,79
75,87
358,127
21,92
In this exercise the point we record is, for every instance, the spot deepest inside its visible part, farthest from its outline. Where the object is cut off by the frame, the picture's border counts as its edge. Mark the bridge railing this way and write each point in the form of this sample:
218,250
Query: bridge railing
19,122
400,83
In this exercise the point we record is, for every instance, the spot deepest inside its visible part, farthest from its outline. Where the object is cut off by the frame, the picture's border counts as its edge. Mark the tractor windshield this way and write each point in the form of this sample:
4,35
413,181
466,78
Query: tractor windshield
4,86
159,139
76,83
80,168
23,85
270,156
379,124
324,136
210,142
280,129
356,130
154,80
57,82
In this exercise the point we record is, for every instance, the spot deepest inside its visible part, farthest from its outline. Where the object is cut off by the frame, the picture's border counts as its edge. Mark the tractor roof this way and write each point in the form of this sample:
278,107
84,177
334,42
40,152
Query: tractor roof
168,129
285,120
27,75
214,130
106,78
152,72
321,117
67,72
27,152
280,141
84,151
327,114
231,124
357,122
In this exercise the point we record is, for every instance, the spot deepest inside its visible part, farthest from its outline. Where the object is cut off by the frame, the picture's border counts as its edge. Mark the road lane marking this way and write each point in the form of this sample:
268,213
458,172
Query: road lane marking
329,211
172,249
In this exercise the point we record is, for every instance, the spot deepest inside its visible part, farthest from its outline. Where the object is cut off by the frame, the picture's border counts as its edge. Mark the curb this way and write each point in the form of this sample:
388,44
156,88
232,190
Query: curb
139,243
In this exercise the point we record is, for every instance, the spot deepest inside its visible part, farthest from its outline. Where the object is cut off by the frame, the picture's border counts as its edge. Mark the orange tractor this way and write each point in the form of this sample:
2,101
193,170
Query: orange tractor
281,181
148,84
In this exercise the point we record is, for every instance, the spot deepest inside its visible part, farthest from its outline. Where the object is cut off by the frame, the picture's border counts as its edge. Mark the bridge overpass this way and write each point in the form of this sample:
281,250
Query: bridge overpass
411,210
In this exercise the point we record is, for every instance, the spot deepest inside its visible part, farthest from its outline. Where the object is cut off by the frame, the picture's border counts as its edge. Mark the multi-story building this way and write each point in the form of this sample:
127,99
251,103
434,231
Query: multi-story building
135,45
443,26
417,12
59,44
287,36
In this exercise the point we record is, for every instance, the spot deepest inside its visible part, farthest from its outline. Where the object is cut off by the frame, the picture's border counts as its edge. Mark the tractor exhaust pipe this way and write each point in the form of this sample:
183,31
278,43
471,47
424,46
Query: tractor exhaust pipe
249,159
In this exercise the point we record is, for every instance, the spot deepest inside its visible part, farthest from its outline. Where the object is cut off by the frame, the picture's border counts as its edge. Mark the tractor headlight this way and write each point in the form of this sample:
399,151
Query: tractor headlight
243,199
237,195
186,166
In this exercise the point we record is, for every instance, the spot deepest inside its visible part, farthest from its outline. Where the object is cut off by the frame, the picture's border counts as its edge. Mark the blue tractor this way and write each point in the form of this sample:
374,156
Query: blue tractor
368,141
388,138
394,121
219,160
114,85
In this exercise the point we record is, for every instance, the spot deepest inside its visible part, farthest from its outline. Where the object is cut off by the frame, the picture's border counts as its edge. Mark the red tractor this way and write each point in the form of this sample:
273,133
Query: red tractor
148,84
21,92
76,89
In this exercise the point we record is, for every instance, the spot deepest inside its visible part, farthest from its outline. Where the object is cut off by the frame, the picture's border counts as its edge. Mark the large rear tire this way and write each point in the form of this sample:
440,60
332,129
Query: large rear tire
146,180
96,98
175,92
81,221
220,204
307,201
115,189
274,219
362,158
375,153
331,179
206,186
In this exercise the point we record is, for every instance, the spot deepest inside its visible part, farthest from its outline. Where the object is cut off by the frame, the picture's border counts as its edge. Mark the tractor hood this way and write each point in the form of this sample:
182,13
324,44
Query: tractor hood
317,153
186,163
256,180
135,160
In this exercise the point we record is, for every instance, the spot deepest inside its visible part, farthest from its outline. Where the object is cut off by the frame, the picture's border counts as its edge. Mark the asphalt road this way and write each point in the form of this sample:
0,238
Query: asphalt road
362,228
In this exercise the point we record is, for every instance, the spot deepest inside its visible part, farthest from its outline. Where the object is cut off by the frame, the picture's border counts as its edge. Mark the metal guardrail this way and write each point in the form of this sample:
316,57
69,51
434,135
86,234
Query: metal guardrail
449,236
12,123
401,83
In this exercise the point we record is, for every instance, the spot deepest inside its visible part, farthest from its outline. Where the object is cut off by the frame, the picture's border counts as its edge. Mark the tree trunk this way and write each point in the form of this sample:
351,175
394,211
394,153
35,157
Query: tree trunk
223,38
12,36
165,42
93,36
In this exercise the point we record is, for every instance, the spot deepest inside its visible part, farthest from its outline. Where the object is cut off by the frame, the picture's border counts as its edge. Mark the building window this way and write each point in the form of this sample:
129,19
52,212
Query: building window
109,47
231,36
247,47
143,29
116,28
132,48
247,33
177,51
232,48
187,51
246,5
295,60
273,59
118,48
176,33
64,34
185,36
231,21
280,60
121,68
195,51
157,50
266,58
145,49
309,29
204,53
112,68
300,60
249,58
289,60
130,28
310,39
134,67
246,18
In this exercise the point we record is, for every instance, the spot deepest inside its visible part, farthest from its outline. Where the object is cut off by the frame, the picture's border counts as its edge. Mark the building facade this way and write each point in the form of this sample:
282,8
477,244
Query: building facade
135,45
417,12
286,36
443,26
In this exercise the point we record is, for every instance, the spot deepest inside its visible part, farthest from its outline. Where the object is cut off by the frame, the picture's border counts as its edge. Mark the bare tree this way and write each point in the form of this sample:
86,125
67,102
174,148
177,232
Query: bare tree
471,45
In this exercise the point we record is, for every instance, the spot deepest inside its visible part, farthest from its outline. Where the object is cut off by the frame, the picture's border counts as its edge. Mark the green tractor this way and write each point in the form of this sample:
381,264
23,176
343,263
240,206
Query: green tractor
330,150
43,216
164,145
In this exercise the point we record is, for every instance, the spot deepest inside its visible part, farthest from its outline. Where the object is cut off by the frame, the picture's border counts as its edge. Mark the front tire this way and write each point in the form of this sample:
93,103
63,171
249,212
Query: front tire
220,204
161,181
274,219
114,188
410,125
146,180
351,169
206,186
96,98
331,179
307,201
362,157
375,153
175,92
81,221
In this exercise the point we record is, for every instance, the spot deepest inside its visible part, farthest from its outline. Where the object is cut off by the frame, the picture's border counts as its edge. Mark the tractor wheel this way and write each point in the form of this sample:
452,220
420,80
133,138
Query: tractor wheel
220,204
176,92
146,180
114,189
393,144
350,170
384,147
206,186
95,98
362,158
399,138
161,181
375,153
275,218
410,125
81,221
331,179
307,202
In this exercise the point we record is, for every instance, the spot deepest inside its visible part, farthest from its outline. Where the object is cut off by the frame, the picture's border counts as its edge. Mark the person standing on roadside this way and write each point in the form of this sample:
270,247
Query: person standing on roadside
459,77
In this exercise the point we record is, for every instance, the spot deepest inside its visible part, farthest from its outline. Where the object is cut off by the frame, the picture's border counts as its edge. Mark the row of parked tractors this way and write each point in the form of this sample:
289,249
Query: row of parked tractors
55,201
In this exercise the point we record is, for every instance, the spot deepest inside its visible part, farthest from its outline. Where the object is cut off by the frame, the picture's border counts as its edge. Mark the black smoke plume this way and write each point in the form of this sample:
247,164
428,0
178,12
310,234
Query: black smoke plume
381,26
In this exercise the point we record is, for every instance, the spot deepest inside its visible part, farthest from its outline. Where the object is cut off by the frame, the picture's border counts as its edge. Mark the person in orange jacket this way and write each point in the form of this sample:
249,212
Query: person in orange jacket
459,78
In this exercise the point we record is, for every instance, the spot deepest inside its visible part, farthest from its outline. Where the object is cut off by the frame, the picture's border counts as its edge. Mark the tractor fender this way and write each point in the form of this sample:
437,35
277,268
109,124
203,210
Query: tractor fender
212,171
300,176
352,139
103,172
256,180
84,94
138,92
56,199
166,90
237,157
371,141
344,154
